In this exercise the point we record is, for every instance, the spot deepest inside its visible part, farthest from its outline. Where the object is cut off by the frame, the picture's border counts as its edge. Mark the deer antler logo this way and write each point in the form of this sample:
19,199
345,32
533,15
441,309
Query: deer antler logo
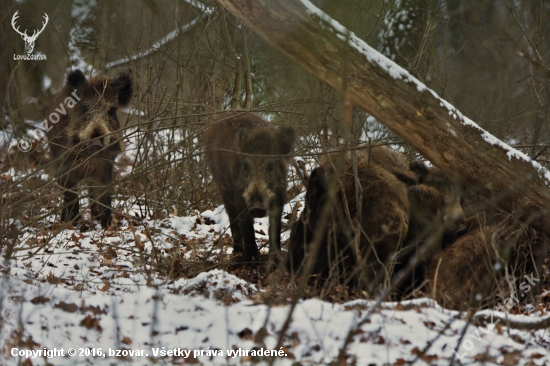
29,40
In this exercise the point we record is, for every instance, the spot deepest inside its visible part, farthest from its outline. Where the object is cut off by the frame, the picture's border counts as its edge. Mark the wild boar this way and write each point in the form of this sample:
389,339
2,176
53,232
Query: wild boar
355,245
488,262
85,138
465,268
445,198
436,220
247,158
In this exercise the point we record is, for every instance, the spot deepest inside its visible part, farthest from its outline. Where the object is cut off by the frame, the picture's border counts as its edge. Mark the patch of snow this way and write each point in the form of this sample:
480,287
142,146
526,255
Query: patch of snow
80,10
217,284
46,82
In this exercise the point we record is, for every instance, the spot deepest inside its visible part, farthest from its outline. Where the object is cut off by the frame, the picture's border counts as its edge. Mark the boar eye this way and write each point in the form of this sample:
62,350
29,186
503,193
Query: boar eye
246,167
271,167
112,112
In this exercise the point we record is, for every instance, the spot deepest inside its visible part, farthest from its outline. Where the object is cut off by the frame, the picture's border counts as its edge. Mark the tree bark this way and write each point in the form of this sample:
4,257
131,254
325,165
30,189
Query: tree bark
423,120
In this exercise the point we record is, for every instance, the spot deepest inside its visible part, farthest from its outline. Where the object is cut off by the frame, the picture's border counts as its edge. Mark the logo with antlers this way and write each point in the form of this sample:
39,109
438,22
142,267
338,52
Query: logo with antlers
29,40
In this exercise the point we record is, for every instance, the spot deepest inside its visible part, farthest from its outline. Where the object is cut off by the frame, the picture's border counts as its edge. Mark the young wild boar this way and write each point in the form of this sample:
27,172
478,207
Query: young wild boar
436,220
355,246
481,266
246,157
86,139
450,210
395,162
465,268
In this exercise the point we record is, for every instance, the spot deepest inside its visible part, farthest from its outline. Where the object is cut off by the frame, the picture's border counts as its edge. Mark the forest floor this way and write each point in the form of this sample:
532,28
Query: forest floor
149,286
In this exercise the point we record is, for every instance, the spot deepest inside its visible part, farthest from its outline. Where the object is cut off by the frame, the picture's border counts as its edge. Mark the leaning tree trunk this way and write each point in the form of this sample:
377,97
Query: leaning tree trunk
422,119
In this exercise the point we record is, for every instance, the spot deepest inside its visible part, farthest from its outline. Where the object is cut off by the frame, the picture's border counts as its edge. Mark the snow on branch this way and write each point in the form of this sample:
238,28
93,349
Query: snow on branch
483,316
512,321
397,72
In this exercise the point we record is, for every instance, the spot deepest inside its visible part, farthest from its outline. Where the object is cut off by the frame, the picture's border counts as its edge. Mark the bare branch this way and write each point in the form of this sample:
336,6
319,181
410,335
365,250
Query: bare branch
247,74
234,58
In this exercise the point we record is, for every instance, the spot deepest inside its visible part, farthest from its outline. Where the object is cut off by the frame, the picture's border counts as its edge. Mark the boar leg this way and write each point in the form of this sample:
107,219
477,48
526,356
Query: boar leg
297,246
246,223
246,226
242,225
233,214
275,215
100,196
71,207
101,205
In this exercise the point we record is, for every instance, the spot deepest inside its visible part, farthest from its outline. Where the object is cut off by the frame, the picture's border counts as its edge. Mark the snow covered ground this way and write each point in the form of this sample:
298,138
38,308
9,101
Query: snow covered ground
165,291
95,292
152,291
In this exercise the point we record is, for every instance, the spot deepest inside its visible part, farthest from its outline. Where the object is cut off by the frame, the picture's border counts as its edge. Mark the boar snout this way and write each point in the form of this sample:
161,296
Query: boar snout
461,230
456,231
256,210
94,146
97,140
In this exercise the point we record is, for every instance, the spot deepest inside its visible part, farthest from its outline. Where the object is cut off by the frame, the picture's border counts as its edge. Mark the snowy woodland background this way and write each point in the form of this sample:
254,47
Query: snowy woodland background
164,277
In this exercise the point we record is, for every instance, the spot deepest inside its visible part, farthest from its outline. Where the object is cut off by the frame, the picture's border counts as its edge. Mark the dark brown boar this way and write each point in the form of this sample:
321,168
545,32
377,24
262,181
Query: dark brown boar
436,220
482,265
449,191
86,140
395,162
436,209
356,245
424,237
465,268
246,155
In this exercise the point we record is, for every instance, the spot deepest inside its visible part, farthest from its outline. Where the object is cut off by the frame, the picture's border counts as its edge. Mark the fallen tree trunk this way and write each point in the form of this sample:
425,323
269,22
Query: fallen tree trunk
426,122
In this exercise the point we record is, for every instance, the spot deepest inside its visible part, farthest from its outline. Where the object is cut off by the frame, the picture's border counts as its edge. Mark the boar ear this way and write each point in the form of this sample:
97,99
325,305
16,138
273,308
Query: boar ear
76,79
420,170
316,189
125,89
242,136
285,140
